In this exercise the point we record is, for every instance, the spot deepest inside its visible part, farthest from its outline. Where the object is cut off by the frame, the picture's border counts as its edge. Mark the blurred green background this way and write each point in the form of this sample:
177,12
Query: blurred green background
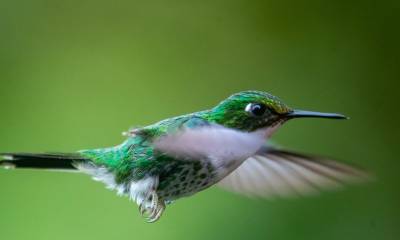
75,74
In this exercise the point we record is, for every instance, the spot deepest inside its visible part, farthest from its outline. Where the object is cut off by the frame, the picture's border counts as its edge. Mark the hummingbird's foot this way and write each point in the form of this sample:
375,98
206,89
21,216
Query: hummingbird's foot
156,212
152,207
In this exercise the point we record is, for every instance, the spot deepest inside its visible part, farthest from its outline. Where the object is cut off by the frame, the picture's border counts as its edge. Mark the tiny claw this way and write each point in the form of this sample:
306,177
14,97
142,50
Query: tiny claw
156,214
142,209
151,207
154,200
154,204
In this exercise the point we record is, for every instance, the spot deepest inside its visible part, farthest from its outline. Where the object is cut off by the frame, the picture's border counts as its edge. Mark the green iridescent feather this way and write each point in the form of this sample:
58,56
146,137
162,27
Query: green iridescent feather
136,158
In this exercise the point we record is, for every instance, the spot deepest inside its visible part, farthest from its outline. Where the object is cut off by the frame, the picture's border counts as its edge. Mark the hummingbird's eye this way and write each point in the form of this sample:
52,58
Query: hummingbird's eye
256,109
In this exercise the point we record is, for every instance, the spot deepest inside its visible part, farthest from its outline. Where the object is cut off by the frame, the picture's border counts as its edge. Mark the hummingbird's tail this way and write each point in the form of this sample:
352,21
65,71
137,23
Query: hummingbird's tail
53,161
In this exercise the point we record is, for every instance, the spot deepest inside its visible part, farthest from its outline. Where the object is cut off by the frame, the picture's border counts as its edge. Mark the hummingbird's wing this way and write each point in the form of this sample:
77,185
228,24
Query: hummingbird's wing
273,172
211,142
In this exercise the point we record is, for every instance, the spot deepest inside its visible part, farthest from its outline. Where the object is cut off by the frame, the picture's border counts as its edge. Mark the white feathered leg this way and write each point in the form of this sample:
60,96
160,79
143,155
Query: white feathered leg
144,193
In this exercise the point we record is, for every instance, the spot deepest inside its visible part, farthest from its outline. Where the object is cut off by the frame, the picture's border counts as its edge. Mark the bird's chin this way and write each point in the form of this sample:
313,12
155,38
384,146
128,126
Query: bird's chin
267,132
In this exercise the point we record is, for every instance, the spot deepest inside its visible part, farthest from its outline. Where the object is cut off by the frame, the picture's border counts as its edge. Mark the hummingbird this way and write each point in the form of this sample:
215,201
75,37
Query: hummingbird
227,145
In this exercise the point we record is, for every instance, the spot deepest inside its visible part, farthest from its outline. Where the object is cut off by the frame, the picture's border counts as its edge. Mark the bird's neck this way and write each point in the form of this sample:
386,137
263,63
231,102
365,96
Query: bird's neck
267,132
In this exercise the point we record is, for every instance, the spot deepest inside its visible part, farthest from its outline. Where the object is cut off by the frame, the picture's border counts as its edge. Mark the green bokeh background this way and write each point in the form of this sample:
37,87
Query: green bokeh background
75,74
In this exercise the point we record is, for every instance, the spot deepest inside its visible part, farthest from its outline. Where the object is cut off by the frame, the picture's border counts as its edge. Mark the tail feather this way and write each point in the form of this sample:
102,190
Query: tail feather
55,161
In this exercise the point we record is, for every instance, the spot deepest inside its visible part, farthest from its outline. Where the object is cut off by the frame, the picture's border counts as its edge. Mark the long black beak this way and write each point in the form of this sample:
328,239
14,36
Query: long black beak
310,114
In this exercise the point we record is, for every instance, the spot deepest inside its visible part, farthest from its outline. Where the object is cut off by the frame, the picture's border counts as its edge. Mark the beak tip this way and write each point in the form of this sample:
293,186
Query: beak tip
310,114
338,116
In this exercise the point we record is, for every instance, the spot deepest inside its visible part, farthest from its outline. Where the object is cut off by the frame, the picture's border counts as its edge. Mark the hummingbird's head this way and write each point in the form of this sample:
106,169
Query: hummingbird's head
253,110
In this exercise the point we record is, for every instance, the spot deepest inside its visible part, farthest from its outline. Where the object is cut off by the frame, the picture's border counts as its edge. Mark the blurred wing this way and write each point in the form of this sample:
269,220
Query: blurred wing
273,172
210,142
